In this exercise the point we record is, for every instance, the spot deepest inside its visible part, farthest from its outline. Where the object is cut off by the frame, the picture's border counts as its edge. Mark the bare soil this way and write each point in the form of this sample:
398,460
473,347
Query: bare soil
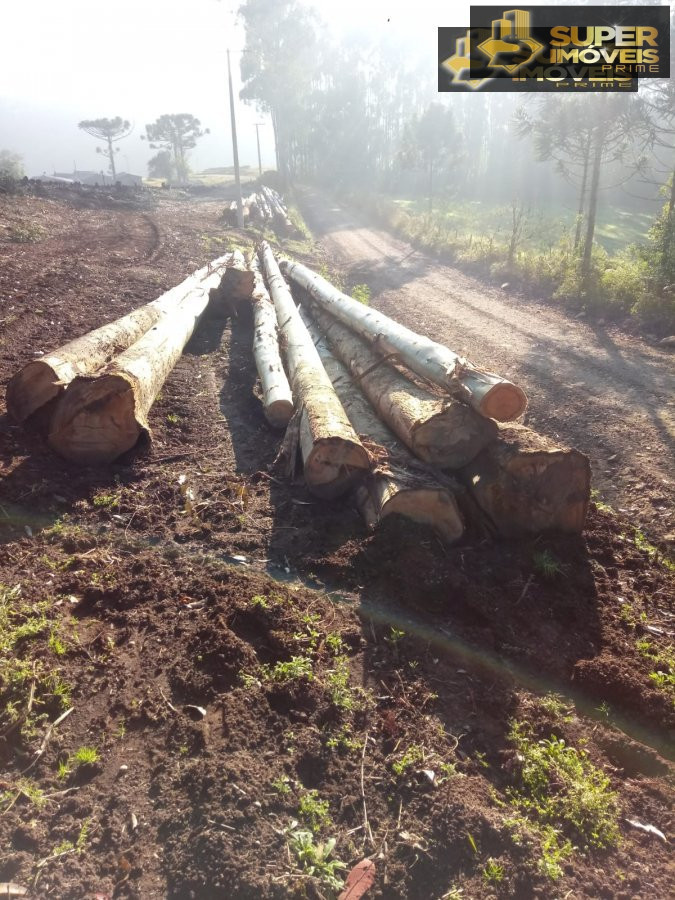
161,614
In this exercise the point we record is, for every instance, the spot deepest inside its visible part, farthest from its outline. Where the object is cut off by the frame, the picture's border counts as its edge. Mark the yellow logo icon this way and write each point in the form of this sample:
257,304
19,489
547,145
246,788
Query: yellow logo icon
459,64
511,45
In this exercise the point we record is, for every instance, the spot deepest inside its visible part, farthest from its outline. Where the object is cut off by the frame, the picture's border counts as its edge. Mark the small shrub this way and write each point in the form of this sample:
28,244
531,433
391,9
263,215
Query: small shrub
314,859
27,233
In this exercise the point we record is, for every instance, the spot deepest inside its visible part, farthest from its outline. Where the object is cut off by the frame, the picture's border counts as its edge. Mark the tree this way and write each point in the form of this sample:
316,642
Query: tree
278,68
584,138
176,133
110,131
428,142
161,165
657,106
11,164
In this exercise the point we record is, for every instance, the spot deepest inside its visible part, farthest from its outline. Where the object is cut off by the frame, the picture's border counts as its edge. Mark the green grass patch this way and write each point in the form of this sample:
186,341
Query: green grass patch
562,797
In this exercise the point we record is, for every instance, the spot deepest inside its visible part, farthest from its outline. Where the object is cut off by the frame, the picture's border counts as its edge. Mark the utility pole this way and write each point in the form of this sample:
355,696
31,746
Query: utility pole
235,151
257,137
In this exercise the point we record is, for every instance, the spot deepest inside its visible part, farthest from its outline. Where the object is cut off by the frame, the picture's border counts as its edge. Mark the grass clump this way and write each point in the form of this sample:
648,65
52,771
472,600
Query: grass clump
662,661
313,810
361,293
27,233
413,755
563,797
295,669
106,501
339,689
493,872
83,756
27,685
545,564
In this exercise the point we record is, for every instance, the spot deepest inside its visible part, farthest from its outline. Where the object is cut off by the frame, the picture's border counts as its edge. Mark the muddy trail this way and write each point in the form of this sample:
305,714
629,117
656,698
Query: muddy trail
249,676
608,393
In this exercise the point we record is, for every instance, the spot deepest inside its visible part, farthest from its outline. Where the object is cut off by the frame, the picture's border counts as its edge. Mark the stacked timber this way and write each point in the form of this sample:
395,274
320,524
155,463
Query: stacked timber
520,482
264,206
102,415
279,212
491,395
45,379
334,459
394,485
441,431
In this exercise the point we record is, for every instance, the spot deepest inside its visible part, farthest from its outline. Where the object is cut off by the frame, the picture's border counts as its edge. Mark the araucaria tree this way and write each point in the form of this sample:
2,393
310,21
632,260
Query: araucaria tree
177,133
110,131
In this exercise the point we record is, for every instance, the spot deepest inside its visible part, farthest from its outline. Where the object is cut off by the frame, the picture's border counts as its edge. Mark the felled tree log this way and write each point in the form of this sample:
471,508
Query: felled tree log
491,395
394,486
526,485
236,287
334,458
102,416
46,378
440,430
277,396
279,213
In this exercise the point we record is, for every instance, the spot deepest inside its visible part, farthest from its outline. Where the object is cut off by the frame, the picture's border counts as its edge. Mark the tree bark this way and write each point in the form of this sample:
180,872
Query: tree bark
277,396
394,486
111,154
44,379
236,288
582,194
439,430
490,395
592,206
334,458
527,485
102,416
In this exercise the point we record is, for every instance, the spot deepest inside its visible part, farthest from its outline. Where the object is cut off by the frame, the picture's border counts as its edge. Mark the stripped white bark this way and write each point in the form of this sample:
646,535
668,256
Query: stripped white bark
493,396
102,416
394,486
333,456
277,396
440,430
46,378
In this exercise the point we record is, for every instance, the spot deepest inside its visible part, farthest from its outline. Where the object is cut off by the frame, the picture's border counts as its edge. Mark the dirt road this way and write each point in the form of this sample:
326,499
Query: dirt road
607,393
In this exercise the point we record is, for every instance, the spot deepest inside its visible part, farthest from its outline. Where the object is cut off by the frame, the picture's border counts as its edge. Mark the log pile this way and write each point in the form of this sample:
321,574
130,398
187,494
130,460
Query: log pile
334,459
369,407
264,206
452,457
99,388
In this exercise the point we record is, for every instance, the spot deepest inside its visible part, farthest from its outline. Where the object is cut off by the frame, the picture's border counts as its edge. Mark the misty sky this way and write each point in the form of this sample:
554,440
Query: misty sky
76,59
80,59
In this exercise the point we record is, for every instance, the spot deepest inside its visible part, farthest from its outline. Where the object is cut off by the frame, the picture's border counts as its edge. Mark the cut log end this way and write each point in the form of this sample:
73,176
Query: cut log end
34,386
279,413
383,496
452,438
333,466
96,420
504,402
526,486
